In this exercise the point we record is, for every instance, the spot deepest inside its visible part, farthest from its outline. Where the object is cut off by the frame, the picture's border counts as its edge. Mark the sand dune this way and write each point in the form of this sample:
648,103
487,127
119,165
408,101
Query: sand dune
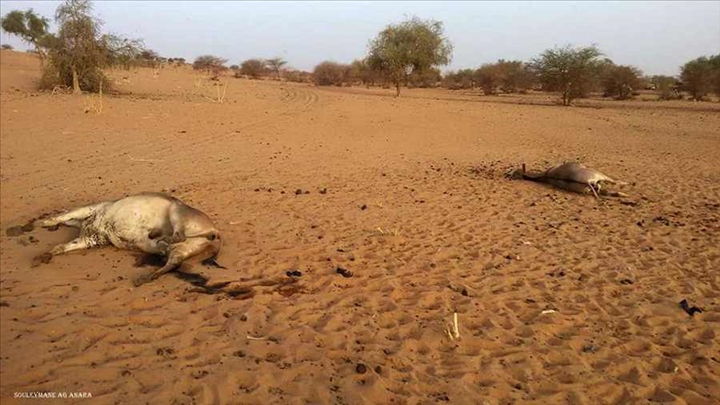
560,298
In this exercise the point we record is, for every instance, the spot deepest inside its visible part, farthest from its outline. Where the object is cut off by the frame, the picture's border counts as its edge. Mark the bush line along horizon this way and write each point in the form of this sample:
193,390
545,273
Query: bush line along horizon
405,54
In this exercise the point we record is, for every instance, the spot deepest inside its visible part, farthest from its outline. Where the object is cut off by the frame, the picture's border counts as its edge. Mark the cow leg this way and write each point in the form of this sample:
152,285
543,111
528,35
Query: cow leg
177,223
593,190
72,218
79,243
200,248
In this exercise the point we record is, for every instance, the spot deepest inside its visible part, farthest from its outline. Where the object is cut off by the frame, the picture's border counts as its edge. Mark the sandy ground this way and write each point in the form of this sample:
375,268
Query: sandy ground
560,298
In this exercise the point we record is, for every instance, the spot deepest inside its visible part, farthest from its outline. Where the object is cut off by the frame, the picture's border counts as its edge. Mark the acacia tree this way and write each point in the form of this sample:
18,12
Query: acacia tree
570,71
714,62
697,77
79,54
122,51
275,64
30,27
411,46
620,81
211,64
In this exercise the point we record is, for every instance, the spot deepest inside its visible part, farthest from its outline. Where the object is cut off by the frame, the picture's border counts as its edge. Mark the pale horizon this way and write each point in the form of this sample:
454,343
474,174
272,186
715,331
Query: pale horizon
657,37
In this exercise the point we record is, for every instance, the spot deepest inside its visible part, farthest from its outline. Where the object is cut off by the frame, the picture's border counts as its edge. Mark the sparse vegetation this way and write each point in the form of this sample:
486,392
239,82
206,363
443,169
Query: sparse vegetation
403,54
412,46
6,47
569,71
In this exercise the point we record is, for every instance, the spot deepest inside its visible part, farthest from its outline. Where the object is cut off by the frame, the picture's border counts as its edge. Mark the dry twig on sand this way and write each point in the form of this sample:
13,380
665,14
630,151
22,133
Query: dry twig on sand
453,329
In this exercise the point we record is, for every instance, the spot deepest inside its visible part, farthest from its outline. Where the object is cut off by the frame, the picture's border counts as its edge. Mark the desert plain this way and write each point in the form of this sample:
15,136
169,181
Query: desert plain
560,298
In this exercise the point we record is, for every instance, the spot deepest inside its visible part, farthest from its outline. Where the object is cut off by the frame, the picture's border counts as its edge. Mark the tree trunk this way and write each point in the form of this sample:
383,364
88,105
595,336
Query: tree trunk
41,56
76,82
397,89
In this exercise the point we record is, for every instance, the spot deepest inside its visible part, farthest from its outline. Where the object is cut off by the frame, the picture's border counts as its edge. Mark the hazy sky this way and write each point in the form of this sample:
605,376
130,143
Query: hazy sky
655,36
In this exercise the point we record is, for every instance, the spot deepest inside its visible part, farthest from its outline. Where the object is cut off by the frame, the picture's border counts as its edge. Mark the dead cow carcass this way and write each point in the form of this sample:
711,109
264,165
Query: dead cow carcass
576,177
153,223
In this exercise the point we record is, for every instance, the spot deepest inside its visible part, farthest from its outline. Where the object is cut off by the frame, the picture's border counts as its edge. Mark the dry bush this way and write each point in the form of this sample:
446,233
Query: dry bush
297,76
620,81
666,86
425,79
329,74
462,79
488,78
213,65
253,68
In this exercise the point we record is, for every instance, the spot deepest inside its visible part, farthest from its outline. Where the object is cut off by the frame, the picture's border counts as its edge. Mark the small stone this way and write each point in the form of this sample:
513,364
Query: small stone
360,368
343,272
588,348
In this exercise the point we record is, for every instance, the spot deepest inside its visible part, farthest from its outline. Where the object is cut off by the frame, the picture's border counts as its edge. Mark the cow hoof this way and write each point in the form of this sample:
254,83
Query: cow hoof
145,278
